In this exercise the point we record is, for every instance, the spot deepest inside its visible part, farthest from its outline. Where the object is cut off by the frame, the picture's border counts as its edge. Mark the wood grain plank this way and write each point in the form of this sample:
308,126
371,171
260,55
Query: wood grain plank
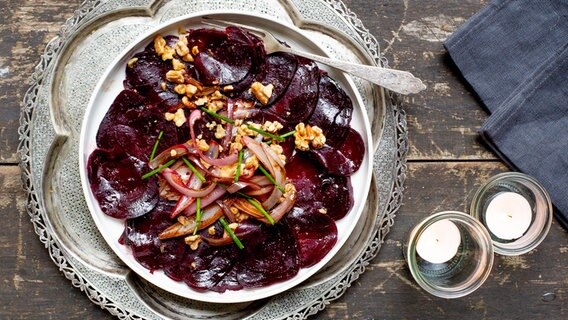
33,288
25,28
515,288
443,120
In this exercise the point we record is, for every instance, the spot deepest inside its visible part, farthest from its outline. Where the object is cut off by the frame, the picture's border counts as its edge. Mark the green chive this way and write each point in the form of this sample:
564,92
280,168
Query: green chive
258,206
216,115
266,134
197,215
231,233
269,176
162,167
156,145
192,168
238,172
286,135
243,195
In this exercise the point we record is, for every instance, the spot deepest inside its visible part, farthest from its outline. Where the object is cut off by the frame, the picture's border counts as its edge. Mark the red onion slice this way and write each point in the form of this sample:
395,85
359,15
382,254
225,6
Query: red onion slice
175,180
217,193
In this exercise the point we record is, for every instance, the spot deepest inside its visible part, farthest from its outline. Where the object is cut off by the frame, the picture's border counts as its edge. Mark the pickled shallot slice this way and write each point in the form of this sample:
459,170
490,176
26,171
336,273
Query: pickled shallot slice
209,216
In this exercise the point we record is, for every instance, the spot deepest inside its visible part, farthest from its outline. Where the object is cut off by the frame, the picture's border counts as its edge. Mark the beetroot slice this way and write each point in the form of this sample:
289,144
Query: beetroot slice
346,159
278,69
299,100
333,111
116,181
224,57
315,234
146,122
147,75
142,238
318,189
203,268
268,259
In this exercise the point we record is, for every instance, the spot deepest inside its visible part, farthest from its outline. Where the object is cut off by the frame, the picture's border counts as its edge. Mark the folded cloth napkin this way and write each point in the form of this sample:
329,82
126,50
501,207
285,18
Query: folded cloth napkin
514,54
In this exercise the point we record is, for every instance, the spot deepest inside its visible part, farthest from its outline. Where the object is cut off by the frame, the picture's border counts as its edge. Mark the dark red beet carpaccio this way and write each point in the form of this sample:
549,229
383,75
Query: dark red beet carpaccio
211,106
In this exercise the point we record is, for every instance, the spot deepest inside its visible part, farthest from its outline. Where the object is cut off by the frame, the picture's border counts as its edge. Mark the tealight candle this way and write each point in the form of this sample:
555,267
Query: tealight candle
508,215
439,242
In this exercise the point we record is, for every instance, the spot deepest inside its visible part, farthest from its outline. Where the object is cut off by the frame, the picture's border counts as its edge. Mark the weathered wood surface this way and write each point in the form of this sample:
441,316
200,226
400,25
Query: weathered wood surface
446,164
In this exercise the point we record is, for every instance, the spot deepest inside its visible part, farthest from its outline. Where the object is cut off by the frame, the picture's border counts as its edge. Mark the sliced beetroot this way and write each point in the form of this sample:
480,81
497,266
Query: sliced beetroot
315,233
344,160
141,235
278,69
268,259
148,74
117,184
146,121
333,111
299,100
224,57
318,189
203,268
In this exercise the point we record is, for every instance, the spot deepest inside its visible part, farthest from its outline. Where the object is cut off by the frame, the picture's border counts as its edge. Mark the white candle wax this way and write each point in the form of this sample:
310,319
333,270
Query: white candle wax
439,242
508,215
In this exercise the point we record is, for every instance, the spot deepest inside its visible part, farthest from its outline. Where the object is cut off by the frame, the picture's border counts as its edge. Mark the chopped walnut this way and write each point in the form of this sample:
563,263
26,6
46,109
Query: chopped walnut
220,132
195,50
289,189
211,230
164,86
201,101
228,88
279,151
173,153
132,62
244,130
202,145
238,122
217,95
211,125
178,65
159,44
261,92
178,118
235,147
322,210
233,226
251,163
193,241
187,103
175,76
306,135
181,48
272,126
215,105
187,89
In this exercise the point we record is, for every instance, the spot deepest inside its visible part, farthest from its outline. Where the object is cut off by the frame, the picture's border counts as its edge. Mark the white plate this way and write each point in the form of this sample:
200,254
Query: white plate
110,86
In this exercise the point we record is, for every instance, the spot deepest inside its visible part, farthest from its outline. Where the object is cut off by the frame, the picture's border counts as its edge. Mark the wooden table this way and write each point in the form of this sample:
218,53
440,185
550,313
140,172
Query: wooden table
446,163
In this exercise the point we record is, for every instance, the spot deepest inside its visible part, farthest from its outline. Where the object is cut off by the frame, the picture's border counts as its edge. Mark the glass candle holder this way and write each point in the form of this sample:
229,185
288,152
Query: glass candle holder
460,239
515,209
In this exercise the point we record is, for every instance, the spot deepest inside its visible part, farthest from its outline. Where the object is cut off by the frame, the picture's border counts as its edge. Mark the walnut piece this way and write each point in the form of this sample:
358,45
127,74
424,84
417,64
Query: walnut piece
306,135
178,65
175,76
220,132
132,62
178,118
261,92
272,126
193,241
202,145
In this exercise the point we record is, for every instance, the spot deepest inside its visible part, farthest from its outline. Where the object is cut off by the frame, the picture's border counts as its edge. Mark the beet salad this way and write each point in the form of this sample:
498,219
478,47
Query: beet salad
228,165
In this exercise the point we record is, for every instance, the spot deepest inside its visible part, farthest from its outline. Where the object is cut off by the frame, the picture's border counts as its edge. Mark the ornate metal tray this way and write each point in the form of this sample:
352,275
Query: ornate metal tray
50,124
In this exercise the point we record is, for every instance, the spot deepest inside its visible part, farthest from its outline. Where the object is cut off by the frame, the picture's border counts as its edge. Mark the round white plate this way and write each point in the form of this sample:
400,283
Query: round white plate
110,86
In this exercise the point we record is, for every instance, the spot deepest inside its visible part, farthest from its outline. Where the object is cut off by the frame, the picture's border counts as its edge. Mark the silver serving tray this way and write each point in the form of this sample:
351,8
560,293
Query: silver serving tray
49,130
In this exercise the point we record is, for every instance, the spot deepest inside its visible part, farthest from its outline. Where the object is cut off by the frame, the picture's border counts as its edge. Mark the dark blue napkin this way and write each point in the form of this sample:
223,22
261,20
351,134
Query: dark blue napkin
514,54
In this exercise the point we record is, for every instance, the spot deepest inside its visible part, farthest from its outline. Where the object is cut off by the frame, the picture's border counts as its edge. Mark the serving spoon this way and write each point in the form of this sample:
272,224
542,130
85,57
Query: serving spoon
402,82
